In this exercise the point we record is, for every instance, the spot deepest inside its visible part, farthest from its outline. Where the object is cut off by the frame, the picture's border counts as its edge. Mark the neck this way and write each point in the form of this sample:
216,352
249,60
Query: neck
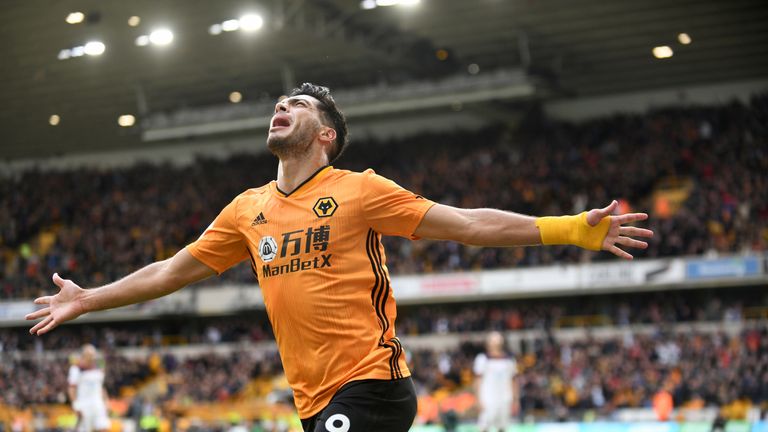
291,172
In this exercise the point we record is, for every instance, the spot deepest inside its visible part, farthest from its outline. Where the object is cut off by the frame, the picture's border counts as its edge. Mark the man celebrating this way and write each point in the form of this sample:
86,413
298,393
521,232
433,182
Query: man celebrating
86,392
313,237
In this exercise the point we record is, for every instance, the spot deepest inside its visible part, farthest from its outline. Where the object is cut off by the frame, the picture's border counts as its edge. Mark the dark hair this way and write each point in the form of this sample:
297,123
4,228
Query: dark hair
332,116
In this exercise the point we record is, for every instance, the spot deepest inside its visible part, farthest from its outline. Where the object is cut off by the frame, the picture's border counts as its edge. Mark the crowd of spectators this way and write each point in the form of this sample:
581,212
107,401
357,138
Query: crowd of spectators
550,167
95,225
558,379
563,380
42,380
659,308
216,377
203,378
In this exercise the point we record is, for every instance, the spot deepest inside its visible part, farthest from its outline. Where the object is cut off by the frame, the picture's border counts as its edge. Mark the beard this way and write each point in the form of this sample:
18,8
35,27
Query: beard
294,144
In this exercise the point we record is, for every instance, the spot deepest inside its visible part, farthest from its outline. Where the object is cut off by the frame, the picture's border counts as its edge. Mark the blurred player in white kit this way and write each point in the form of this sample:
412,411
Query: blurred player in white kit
86,391
497,390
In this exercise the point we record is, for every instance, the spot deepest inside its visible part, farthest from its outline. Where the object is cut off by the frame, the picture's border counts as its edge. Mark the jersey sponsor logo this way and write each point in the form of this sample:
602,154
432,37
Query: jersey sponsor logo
267,248
296,265
295,246
325,207
311,238
259,220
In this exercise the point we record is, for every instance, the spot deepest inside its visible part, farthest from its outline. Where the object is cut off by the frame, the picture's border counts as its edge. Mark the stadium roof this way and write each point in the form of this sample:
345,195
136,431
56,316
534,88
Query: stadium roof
580,47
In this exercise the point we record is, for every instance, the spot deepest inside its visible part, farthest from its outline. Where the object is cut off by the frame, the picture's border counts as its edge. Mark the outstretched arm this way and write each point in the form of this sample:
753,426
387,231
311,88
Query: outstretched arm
153,281
596,230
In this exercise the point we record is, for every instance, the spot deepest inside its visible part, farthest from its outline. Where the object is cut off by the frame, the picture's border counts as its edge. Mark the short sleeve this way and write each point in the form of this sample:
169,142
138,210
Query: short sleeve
74,375
479,367
390,209
221,245
513,366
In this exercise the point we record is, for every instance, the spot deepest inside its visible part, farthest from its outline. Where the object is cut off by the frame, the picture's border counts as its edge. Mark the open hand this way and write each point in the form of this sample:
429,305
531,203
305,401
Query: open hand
619,234
62,307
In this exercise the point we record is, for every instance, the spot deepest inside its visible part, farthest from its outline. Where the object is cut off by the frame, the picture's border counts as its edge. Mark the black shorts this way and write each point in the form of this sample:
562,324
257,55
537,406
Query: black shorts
367,406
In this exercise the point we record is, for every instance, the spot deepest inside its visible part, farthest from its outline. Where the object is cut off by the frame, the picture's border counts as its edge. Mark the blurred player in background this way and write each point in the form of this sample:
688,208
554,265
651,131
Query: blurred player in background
87,393
313,237
497,390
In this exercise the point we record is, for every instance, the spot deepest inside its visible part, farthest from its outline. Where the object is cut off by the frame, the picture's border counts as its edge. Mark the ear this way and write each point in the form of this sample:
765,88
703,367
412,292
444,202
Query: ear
327,134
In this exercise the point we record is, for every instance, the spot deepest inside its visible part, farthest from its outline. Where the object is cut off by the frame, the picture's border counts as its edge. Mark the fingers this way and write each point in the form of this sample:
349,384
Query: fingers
626,241
619,253
48,323
36,329
630,217
48,327
607,210
635,232
594,216
38,314
43,300
58,280
625,232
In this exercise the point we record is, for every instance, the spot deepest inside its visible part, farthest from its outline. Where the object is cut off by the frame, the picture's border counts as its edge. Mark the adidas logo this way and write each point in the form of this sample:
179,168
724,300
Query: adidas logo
260,219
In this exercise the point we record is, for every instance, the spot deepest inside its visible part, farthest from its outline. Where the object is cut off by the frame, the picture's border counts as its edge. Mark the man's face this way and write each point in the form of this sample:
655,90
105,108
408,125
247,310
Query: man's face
294,126
495,342
89,354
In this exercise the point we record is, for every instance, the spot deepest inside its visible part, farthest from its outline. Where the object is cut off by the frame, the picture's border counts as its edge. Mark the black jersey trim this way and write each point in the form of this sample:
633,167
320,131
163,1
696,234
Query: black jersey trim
396,341
379,295
286,195
253,264
376,283
376,292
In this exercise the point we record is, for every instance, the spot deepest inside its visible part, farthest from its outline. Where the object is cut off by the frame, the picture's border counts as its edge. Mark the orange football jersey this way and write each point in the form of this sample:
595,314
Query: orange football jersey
322,270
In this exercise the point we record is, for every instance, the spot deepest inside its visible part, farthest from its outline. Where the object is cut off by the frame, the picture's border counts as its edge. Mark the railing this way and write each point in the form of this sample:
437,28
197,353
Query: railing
561,280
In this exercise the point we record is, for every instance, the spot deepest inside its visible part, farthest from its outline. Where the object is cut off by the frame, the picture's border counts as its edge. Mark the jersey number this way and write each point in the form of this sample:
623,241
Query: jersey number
337,423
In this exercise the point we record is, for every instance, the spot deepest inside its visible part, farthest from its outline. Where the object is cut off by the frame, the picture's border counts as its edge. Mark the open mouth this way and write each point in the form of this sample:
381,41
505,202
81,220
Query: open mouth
281,121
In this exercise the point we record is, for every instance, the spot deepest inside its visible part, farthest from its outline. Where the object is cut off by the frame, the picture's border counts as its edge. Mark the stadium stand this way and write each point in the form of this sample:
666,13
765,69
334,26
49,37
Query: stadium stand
560,380
700,173
563,377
